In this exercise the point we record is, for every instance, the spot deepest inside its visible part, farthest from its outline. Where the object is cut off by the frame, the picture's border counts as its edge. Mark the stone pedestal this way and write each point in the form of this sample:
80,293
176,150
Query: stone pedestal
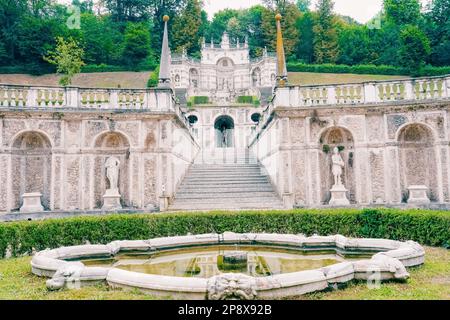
111,200
31,203
288,201
163,203
418,195
339,196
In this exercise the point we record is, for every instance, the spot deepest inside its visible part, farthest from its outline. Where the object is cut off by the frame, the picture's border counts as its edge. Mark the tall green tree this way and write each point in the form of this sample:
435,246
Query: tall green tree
402,12
305,48
186,28
137,43
415,48
303,5
326,48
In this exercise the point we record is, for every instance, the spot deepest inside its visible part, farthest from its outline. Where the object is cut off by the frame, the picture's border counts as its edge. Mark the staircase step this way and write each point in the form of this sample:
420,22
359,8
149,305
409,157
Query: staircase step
228,195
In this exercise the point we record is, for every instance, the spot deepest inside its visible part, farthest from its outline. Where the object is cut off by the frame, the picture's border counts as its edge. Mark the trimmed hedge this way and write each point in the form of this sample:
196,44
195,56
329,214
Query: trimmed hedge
364,69
426,227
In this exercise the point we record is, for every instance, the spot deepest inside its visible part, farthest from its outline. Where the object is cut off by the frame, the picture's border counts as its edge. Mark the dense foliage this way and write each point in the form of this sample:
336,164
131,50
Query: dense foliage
426,227
127,34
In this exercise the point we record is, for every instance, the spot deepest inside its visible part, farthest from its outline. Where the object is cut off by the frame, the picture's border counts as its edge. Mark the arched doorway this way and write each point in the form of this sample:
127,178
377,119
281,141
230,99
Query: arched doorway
111,144
341,138
417,159
224,128
31,167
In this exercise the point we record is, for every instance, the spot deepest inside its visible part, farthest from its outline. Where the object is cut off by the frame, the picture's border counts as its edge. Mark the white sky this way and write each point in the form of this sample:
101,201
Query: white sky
360,10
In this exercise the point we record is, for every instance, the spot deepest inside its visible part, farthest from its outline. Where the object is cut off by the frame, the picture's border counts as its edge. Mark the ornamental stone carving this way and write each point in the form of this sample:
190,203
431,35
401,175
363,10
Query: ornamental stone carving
232,286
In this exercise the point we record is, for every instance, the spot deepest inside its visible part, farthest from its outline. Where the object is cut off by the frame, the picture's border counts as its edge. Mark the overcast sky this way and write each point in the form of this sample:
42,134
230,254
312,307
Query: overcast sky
360,10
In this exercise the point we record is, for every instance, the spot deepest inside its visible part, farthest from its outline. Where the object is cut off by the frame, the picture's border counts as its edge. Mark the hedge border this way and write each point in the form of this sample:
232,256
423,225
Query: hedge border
426,227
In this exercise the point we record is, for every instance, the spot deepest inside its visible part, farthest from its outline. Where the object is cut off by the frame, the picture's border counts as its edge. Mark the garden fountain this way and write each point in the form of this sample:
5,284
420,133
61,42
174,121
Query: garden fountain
229,265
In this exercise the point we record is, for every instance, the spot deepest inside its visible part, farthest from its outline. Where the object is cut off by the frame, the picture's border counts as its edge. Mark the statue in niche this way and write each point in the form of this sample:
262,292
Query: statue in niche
112,172
337,166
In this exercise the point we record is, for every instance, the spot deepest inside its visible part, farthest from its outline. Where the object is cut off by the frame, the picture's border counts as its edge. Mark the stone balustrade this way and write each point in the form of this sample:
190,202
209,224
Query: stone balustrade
419,89
26,97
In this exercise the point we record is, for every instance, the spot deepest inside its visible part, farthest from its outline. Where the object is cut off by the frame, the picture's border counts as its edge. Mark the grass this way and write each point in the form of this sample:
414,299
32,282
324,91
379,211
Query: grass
138,80
431,282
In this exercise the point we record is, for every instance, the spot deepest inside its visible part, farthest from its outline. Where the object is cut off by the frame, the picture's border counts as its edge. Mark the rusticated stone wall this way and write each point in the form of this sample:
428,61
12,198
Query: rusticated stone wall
62,156
385,148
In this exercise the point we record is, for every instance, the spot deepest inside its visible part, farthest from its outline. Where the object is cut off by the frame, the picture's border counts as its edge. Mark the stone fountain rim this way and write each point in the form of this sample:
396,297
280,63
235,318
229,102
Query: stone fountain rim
391,260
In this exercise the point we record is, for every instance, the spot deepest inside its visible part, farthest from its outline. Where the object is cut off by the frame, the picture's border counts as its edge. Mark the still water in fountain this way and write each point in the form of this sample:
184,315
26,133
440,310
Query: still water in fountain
205,262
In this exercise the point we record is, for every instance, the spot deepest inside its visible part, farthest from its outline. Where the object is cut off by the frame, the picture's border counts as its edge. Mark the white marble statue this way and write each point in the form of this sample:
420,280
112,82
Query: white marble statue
338,166
112,172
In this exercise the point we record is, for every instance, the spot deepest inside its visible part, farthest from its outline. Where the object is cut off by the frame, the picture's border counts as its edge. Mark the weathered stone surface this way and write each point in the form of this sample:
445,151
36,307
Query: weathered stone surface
389,263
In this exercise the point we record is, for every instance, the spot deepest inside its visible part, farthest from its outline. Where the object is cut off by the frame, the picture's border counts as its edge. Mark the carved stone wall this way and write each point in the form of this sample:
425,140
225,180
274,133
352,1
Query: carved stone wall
386,149
63,158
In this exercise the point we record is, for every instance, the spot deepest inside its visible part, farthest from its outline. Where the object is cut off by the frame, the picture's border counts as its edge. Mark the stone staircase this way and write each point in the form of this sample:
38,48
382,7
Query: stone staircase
226,180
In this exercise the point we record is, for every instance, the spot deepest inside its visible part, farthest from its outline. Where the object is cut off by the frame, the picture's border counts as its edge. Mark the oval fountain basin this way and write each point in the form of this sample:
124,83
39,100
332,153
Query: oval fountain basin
206,262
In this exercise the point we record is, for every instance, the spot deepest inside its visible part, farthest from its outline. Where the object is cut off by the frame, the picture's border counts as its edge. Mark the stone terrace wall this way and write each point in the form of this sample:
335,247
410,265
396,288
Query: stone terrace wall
389,142
60,151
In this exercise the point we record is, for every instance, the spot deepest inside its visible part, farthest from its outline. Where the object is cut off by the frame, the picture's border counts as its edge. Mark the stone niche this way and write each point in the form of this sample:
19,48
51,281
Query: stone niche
342,139
417,160
111,144
31,167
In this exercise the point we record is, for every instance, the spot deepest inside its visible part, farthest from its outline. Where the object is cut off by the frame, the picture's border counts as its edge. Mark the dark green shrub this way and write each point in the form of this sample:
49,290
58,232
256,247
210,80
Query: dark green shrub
426,227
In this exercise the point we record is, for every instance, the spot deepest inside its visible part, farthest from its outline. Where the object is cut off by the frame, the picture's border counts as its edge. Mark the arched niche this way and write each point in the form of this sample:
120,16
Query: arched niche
194,78
225,74
224,128
31,154
417,159
107,145
342,139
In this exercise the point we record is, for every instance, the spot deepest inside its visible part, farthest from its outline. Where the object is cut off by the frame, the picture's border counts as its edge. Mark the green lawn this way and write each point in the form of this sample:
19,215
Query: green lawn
431,281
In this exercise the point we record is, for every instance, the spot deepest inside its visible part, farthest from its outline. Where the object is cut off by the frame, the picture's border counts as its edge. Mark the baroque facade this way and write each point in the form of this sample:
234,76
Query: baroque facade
374,143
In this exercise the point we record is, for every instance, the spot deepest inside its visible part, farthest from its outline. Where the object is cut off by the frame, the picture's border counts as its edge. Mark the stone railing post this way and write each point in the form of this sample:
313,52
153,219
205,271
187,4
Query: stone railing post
447,87
370,93
31,98
331,95
72,97
409,90
113,99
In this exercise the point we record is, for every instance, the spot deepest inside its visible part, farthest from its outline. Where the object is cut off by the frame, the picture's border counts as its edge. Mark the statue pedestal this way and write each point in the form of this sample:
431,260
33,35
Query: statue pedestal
111,200
418,195
31,203
339,196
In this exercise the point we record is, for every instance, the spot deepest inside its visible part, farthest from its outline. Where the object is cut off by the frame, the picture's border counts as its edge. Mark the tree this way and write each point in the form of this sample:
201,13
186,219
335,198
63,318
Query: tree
303,5
68,59
137,43
415,48
305,48
402,12
186,28
438,30
325,40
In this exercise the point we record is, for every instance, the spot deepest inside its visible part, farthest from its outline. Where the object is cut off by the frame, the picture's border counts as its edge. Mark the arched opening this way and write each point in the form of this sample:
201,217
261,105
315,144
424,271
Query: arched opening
224,128
341,138
111,144
31,167
225,74
194,78
256,117
417,160
193,119
256,77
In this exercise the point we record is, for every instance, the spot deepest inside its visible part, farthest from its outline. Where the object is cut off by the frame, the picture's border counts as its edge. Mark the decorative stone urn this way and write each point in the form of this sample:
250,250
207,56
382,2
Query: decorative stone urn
339,196
418,195
31,203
